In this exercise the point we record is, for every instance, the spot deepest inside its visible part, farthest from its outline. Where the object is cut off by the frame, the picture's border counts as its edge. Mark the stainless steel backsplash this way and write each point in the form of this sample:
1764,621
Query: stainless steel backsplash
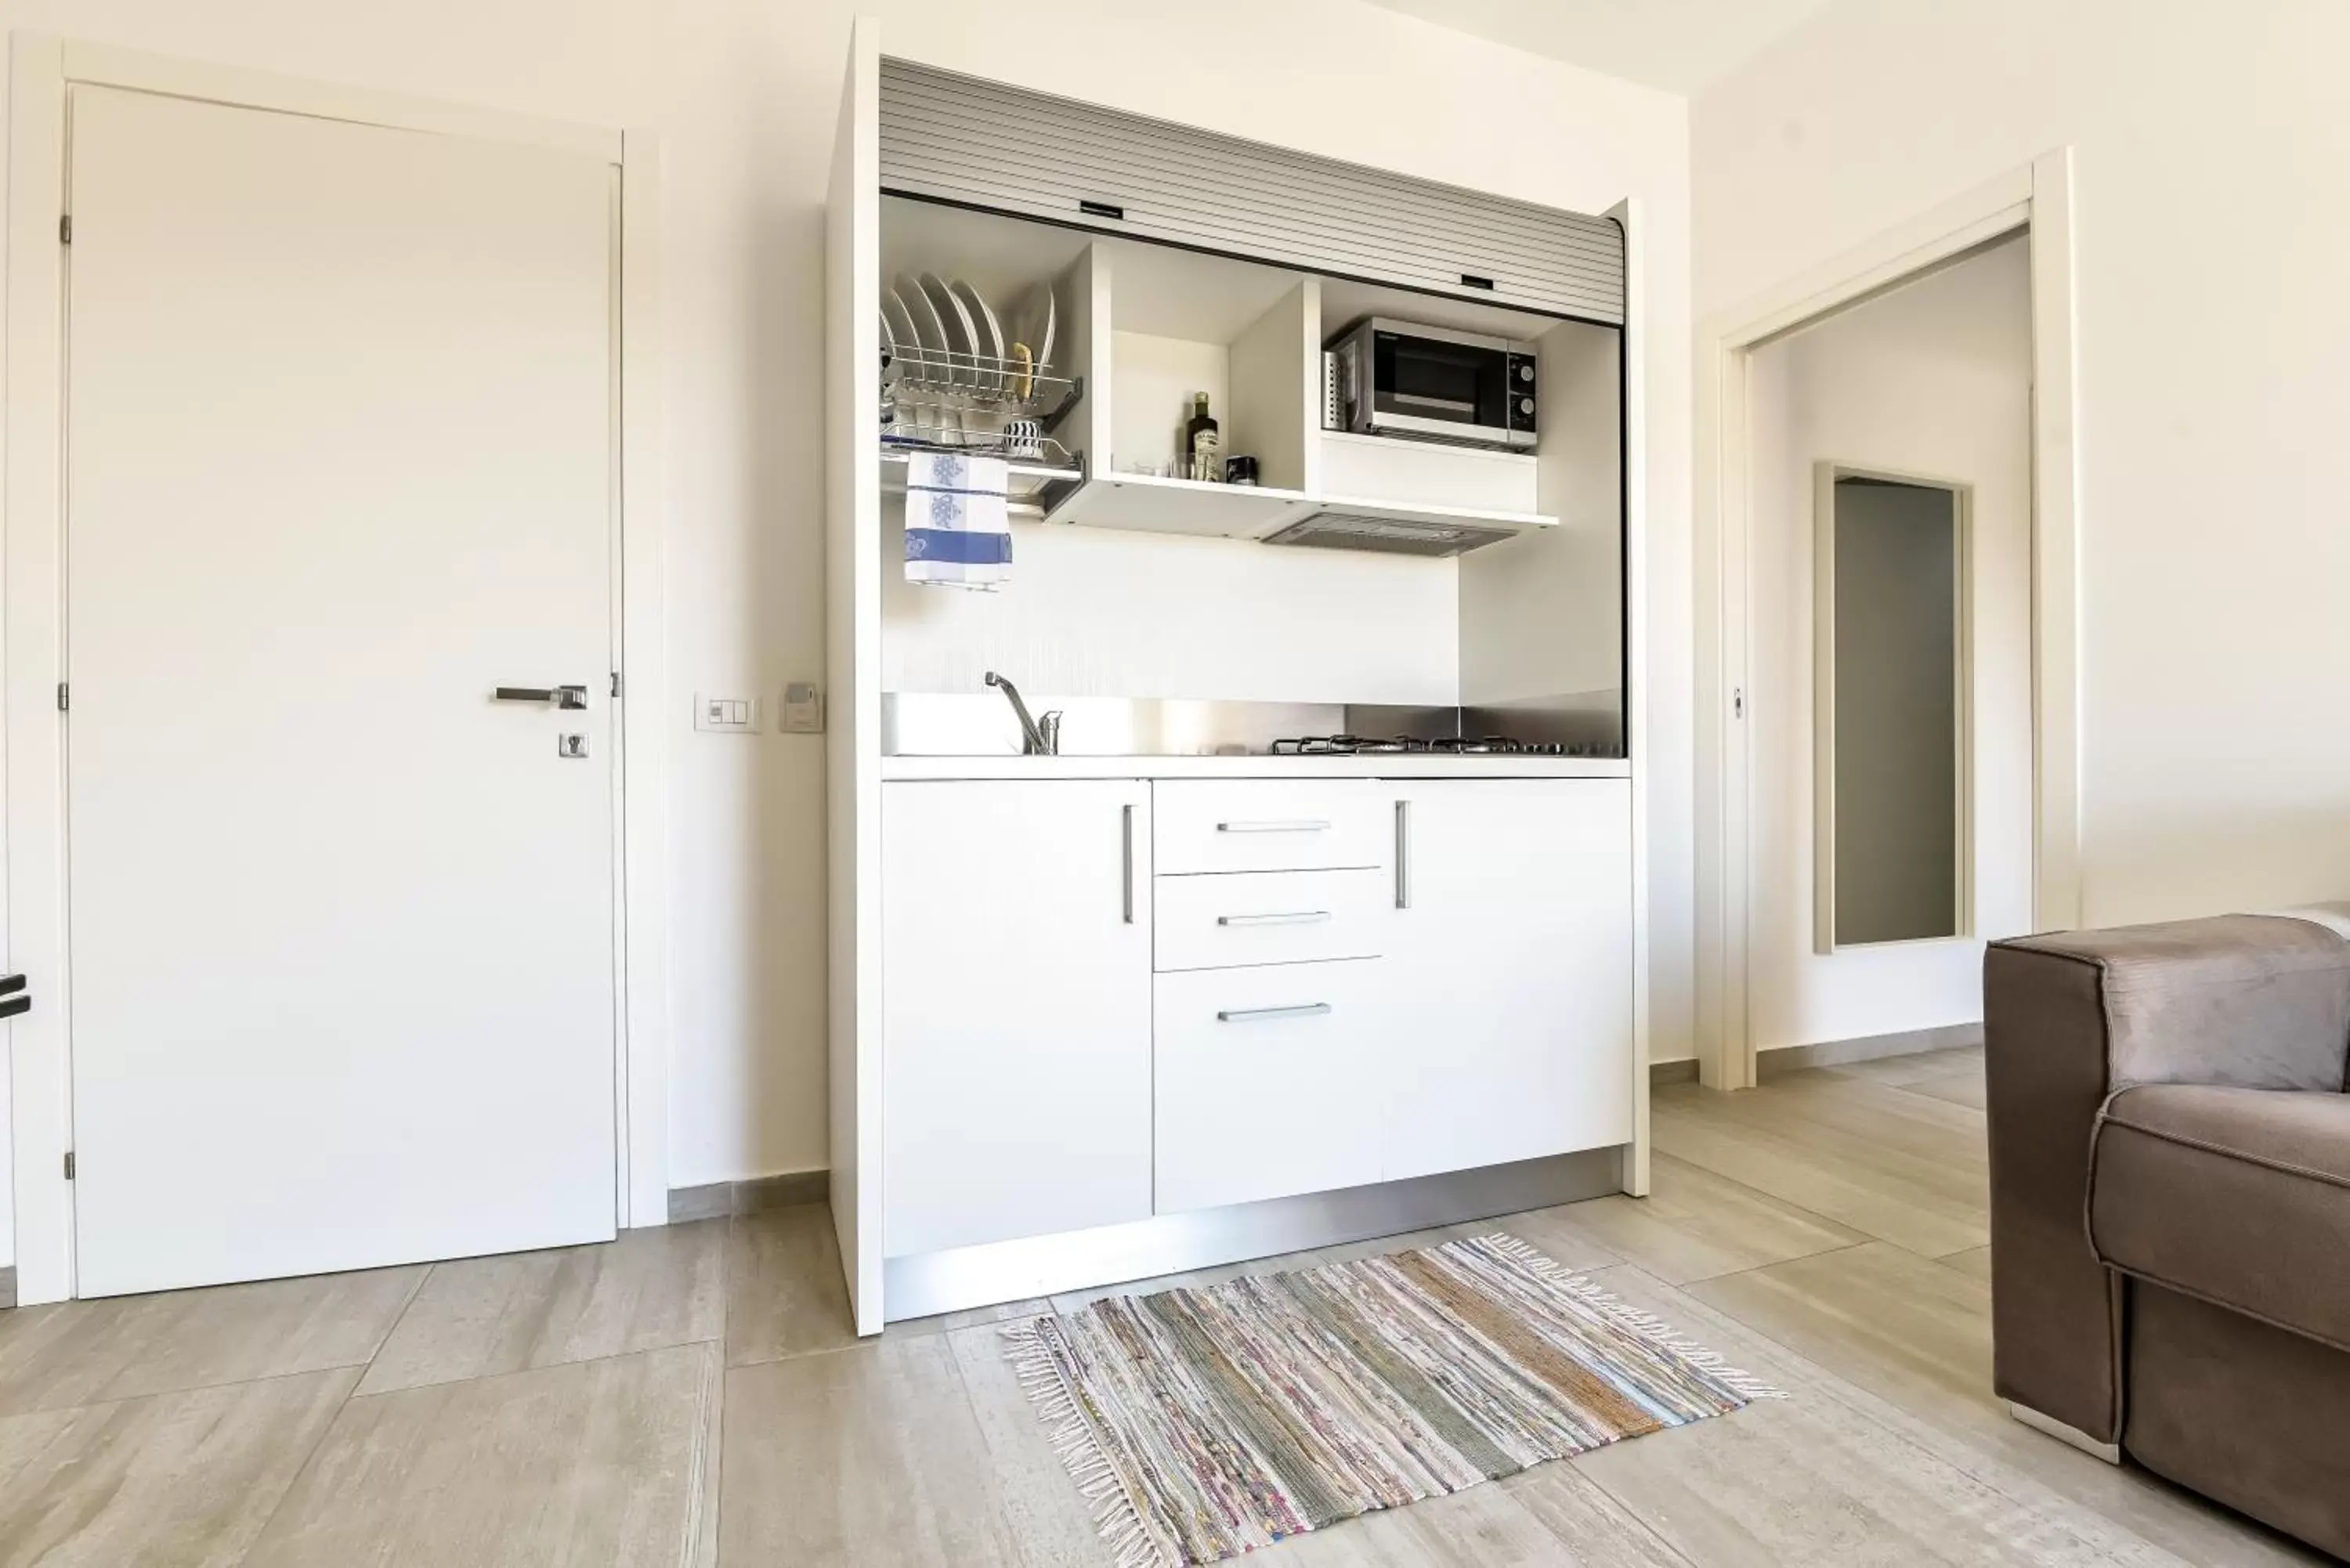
979,723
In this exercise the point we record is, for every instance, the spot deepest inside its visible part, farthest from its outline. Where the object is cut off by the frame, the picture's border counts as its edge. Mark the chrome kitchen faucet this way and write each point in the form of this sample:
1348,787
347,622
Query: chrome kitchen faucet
1038,737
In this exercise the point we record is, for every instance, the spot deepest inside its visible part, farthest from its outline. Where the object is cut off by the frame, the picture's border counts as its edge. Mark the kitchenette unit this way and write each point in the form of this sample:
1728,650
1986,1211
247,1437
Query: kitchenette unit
1234,645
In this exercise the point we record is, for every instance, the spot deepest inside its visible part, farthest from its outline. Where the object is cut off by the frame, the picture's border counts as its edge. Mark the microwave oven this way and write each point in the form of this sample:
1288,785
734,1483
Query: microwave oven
1392,377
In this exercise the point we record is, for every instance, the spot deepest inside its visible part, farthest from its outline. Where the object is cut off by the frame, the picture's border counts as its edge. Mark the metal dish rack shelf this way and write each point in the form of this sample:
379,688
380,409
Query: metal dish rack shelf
943,400
1013,387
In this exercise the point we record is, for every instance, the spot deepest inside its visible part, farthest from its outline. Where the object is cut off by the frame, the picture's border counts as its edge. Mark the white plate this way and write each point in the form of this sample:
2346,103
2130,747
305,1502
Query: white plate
930,332
987,337
962,332
919,331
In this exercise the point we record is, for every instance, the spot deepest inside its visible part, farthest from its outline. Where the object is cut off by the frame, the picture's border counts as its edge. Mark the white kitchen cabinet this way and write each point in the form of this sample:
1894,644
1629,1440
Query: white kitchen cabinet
1268,1080
1514,1029
1015,1009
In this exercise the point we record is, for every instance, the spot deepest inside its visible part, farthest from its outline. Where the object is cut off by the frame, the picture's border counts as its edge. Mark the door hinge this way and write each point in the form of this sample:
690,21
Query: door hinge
69,1165
1738,703
65,697
616,683
65,230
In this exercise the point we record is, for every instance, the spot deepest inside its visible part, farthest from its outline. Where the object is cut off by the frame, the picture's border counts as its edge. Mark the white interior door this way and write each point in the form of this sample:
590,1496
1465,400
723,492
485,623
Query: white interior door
339,464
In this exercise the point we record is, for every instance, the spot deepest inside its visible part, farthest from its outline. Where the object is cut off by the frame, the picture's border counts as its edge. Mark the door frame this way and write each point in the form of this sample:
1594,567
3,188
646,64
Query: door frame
2039,198
41,69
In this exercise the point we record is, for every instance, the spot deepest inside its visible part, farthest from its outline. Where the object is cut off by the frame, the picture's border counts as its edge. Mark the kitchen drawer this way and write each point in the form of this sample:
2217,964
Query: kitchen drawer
1270,917
1268,1082
1272,824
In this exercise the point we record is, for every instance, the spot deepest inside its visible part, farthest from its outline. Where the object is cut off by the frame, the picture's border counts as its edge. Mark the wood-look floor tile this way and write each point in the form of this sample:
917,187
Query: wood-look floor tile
1902,1168
1917,1334
1832,1474
597,1461
1486,1526
1908,1069
868,1455
784,1293
1974,1261
91,1352
1964,1088
1042,1508
652,1288
970,1317
1897,1324
185,1479
1693,1225
704,1550
1593,1526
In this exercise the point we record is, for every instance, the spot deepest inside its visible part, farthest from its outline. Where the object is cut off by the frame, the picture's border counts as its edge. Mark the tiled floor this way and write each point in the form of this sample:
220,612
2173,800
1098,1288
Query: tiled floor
695,1395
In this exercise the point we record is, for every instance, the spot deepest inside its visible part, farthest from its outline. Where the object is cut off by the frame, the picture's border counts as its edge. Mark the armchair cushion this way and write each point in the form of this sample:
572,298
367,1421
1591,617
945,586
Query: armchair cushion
2241,1196
2258,1000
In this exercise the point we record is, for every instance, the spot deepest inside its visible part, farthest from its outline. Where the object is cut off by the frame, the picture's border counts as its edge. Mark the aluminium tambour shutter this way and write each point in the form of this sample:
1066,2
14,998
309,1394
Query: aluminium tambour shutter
958,139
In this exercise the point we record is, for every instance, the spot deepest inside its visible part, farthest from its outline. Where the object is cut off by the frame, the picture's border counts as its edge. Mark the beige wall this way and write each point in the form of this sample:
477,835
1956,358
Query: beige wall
2211,148
745,96
1934,379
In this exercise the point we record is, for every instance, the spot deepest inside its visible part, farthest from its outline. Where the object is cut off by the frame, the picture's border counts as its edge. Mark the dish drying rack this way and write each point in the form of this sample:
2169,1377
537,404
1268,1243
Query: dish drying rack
946,400
951,378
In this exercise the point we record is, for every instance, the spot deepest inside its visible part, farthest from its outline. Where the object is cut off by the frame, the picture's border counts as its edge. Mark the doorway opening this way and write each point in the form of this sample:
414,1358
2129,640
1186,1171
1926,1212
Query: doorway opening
1888,756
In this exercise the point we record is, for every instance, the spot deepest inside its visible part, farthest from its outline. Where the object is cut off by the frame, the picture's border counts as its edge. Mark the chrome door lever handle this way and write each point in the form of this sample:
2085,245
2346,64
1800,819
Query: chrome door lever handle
564,697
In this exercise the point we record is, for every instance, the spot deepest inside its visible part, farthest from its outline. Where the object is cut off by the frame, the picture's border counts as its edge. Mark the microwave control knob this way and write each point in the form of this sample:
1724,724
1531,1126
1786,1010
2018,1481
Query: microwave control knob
1526,407
1525,372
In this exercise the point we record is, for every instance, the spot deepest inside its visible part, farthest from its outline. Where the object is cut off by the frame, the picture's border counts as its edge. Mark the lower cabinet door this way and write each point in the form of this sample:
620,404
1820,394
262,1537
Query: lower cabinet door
1270,1081
1514,1032
1015,1002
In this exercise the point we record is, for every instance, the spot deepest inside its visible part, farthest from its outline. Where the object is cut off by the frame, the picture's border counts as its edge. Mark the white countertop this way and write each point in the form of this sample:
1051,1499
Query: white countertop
1414,765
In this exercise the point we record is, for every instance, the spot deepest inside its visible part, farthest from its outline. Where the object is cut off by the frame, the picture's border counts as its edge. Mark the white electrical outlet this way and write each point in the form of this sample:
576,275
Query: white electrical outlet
803,709
726,715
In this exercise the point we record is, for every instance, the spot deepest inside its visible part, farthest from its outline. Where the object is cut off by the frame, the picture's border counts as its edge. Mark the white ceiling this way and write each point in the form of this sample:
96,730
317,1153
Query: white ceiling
1678,45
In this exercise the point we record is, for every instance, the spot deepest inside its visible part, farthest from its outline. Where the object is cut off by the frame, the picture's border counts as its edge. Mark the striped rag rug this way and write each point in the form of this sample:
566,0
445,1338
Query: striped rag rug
1203,1423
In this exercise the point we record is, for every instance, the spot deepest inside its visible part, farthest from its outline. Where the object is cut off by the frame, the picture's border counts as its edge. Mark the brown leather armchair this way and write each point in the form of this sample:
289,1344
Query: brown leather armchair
2170,1203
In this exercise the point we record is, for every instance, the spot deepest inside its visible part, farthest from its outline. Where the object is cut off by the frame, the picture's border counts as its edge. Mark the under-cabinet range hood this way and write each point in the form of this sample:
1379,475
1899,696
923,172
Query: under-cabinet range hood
1349,527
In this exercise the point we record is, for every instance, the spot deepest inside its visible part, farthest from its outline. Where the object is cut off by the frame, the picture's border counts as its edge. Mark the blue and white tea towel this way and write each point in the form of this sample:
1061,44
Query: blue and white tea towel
958,531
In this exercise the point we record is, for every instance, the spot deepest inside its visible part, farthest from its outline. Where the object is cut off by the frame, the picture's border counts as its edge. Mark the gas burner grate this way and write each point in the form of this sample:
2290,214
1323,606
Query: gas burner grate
1443,745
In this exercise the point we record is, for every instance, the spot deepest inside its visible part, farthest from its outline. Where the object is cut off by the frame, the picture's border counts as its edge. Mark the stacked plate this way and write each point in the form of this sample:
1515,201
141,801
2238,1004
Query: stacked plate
960,375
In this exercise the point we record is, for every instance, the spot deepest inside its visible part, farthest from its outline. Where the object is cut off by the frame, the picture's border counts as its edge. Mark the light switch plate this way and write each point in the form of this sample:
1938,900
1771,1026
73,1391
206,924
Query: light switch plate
726,715
803,709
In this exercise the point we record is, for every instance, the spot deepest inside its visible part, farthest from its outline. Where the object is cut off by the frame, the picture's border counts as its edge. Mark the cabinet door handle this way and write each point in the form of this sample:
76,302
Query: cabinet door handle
1403,855
1303,825
1125,863
1301,918
1267,1014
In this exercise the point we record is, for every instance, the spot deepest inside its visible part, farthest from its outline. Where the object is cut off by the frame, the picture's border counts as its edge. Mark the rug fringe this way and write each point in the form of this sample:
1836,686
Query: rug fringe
1631,1319
1115,1514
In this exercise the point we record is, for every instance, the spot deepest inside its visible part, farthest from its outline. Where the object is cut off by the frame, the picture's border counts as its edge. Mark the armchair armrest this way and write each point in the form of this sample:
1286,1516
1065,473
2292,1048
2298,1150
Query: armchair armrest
2255,1001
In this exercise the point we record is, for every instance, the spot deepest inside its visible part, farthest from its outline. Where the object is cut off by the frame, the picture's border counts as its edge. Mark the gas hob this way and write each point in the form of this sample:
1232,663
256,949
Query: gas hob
1443,746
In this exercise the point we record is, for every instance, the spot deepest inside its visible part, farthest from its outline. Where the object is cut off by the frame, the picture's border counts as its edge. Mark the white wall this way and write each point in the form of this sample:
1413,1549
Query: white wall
1933,380
743,94
2211,144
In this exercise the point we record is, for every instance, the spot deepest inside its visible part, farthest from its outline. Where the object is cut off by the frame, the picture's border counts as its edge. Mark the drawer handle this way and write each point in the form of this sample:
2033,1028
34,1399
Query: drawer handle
1301,918
1307,824
1266,1014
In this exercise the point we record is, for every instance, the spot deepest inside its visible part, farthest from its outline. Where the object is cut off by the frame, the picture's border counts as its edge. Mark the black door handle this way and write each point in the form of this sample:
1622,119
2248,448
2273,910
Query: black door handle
13,997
